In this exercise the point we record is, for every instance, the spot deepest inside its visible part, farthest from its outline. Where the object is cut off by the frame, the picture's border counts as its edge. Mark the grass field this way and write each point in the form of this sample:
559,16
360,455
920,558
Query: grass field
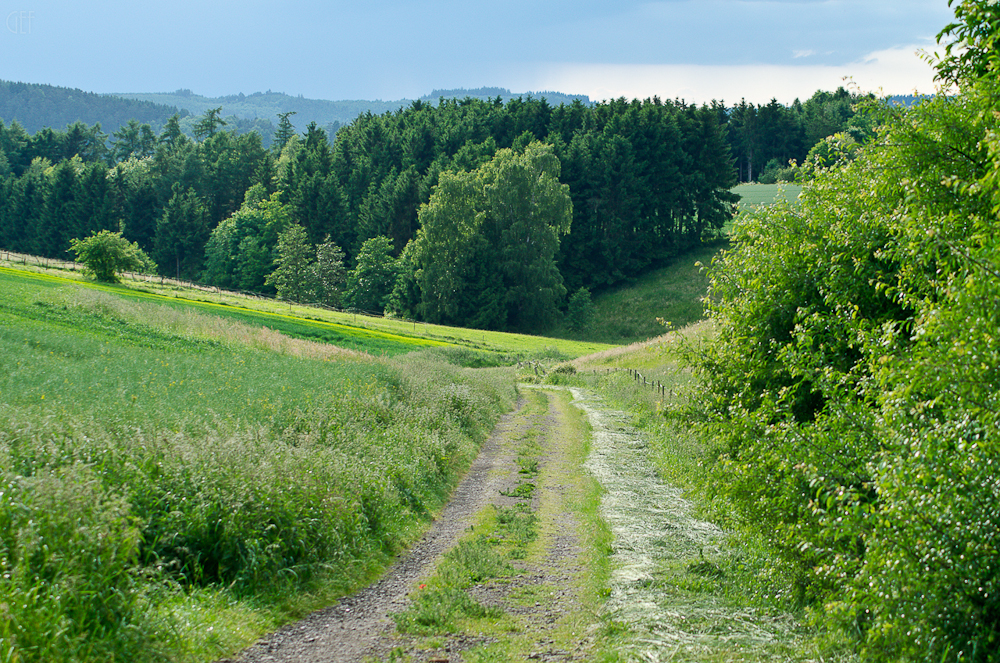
766,194
183,470
175,483
379,336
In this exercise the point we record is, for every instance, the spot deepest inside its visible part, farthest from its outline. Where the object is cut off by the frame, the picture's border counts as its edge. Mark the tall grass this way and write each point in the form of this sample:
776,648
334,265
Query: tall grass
152,459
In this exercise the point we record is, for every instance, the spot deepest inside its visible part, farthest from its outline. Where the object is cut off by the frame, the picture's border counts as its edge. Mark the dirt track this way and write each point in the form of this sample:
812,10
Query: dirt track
541,593
659,595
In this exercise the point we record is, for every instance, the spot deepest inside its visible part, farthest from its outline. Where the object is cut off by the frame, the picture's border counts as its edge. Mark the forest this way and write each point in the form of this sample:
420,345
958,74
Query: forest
645,181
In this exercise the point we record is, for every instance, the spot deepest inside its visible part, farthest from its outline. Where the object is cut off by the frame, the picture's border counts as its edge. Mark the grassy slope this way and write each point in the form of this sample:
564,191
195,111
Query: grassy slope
379,336
628,313
765,194
174,484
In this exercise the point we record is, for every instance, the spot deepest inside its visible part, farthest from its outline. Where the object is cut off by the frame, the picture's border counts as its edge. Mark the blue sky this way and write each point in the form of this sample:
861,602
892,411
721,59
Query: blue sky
390,49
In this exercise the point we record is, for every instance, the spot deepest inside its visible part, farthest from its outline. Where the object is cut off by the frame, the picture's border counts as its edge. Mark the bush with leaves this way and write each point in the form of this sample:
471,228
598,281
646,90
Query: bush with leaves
107,254
852,394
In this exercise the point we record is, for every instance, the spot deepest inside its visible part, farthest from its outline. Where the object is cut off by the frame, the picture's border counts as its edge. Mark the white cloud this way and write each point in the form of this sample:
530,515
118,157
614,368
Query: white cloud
890,71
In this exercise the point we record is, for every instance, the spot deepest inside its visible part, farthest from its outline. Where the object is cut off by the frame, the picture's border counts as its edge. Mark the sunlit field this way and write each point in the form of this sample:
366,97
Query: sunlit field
766,194
375,335
167,474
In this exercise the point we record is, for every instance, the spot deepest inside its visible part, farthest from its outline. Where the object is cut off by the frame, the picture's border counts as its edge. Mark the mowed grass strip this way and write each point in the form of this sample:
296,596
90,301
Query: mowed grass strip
173,484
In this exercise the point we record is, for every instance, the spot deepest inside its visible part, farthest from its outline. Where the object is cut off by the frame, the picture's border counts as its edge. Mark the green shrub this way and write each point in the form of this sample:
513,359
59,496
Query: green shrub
107,254
851,394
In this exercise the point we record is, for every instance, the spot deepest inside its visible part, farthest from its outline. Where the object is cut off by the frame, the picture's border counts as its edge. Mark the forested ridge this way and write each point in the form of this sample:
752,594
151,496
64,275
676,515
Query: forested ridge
647,180
36,107
763,137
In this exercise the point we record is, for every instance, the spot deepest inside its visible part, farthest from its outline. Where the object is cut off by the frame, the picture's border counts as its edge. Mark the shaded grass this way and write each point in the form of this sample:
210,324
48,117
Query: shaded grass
628,314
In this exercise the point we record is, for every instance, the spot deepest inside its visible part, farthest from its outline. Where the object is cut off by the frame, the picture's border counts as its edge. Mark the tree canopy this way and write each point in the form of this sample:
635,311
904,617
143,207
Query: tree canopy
647,181
485,253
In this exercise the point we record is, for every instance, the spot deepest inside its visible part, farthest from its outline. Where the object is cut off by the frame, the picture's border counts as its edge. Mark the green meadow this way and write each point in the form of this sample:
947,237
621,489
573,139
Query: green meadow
753,194
175,483
185,470
374,335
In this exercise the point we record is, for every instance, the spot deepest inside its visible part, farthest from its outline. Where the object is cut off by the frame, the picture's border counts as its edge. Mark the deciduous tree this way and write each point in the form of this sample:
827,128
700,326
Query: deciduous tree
107,254
486,248
293,276
372,279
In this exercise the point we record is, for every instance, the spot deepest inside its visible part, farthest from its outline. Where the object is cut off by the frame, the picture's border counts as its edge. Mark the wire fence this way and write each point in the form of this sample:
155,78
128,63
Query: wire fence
641,380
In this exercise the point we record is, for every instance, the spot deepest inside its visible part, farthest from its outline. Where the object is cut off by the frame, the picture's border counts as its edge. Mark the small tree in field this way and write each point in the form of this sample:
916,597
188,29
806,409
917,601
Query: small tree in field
107,254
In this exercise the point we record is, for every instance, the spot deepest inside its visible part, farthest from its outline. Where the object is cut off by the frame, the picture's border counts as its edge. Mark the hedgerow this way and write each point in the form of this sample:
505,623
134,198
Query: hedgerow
851,395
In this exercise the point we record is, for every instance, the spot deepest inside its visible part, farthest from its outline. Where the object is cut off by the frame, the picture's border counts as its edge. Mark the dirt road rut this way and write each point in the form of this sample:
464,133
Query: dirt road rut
537,609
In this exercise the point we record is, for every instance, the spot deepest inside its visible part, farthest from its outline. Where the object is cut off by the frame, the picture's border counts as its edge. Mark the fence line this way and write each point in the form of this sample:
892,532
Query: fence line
539,369
639,378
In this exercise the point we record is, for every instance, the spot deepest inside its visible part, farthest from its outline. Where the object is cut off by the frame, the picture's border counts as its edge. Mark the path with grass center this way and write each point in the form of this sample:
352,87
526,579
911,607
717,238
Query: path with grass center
533,559
501,574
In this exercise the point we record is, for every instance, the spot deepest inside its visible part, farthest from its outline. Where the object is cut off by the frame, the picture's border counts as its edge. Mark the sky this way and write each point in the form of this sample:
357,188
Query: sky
696,50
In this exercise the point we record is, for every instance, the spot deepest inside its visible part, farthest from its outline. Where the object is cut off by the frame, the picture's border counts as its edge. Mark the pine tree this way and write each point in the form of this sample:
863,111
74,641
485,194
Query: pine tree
284,132
181,233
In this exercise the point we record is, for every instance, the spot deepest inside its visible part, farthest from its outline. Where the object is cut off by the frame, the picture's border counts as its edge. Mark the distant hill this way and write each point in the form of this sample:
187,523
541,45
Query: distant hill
35,106
328,114
267,105
554,98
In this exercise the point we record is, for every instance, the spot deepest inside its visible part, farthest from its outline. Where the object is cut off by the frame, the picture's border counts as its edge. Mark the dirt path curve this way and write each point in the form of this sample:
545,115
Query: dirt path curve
533,596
